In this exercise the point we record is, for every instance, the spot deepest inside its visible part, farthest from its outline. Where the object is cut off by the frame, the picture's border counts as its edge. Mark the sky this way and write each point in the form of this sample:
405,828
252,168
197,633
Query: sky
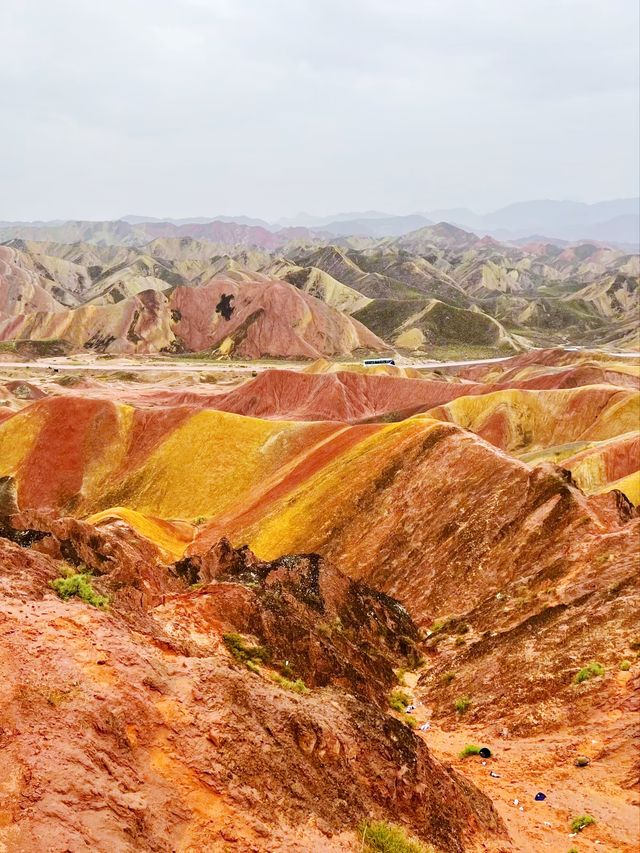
270,107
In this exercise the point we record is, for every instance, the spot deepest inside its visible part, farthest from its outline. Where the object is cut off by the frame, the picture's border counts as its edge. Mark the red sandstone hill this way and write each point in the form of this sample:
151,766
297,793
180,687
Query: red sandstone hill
246,319
168,722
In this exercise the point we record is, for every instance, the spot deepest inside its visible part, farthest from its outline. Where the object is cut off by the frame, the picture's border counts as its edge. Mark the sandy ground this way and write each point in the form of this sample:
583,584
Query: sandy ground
526,766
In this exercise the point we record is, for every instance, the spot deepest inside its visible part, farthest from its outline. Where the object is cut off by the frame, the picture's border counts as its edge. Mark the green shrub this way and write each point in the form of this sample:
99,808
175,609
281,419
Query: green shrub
378,836
447,677
398,700
592,670
470,749
410,720
462,704
79,585
297,686
243,651
199,519
625,665
579,823
252,665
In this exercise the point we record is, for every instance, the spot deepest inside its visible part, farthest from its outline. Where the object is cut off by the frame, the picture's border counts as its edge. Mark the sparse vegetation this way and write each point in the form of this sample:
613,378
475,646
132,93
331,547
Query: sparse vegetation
462,704
381,837
297,686
625,665
439,625
398,700
199,519
78,585
469,749
244,652
579,823
410,720
592,670
447,677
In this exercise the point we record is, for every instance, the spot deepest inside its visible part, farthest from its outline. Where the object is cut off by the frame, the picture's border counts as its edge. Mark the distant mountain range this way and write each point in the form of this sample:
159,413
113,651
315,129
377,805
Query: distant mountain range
226,288
615,222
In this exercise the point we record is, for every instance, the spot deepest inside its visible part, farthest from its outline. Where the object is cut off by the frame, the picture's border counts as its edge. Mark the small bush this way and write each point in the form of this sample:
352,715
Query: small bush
462,704
243,652
398,700
439,625
470,749
579,823
625,665
199,519
285,669
410,721
381,837
297,686
79,585
573,850
447,677
252,665
592,670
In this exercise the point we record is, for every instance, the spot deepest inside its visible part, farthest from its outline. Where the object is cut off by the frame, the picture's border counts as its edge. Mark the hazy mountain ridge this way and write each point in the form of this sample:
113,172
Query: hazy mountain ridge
615,221
436,287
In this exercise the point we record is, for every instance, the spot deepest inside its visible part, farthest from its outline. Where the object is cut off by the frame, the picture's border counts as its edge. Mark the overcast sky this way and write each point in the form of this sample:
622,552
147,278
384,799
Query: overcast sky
269,107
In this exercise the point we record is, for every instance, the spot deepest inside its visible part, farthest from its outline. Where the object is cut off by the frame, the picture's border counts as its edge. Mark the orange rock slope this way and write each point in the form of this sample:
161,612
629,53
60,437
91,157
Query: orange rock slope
170,721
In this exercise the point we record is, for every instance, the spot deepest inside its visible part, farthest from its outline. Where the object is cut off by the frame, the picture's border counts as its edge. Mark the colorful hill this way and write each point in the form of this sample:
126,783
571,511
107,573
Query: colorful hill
275,662
247,319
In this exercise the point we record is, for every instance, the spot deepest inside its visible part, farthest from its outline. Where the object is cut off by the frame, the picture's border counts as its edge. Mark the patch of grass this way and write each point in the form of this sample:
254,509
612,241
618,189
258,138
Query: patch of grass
252,665
199,519
244,652
573,850
79,585
592,670
579,823
447,677
297,686
462,704
440,625
398,700
625,665
410,720
469,749
378,836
